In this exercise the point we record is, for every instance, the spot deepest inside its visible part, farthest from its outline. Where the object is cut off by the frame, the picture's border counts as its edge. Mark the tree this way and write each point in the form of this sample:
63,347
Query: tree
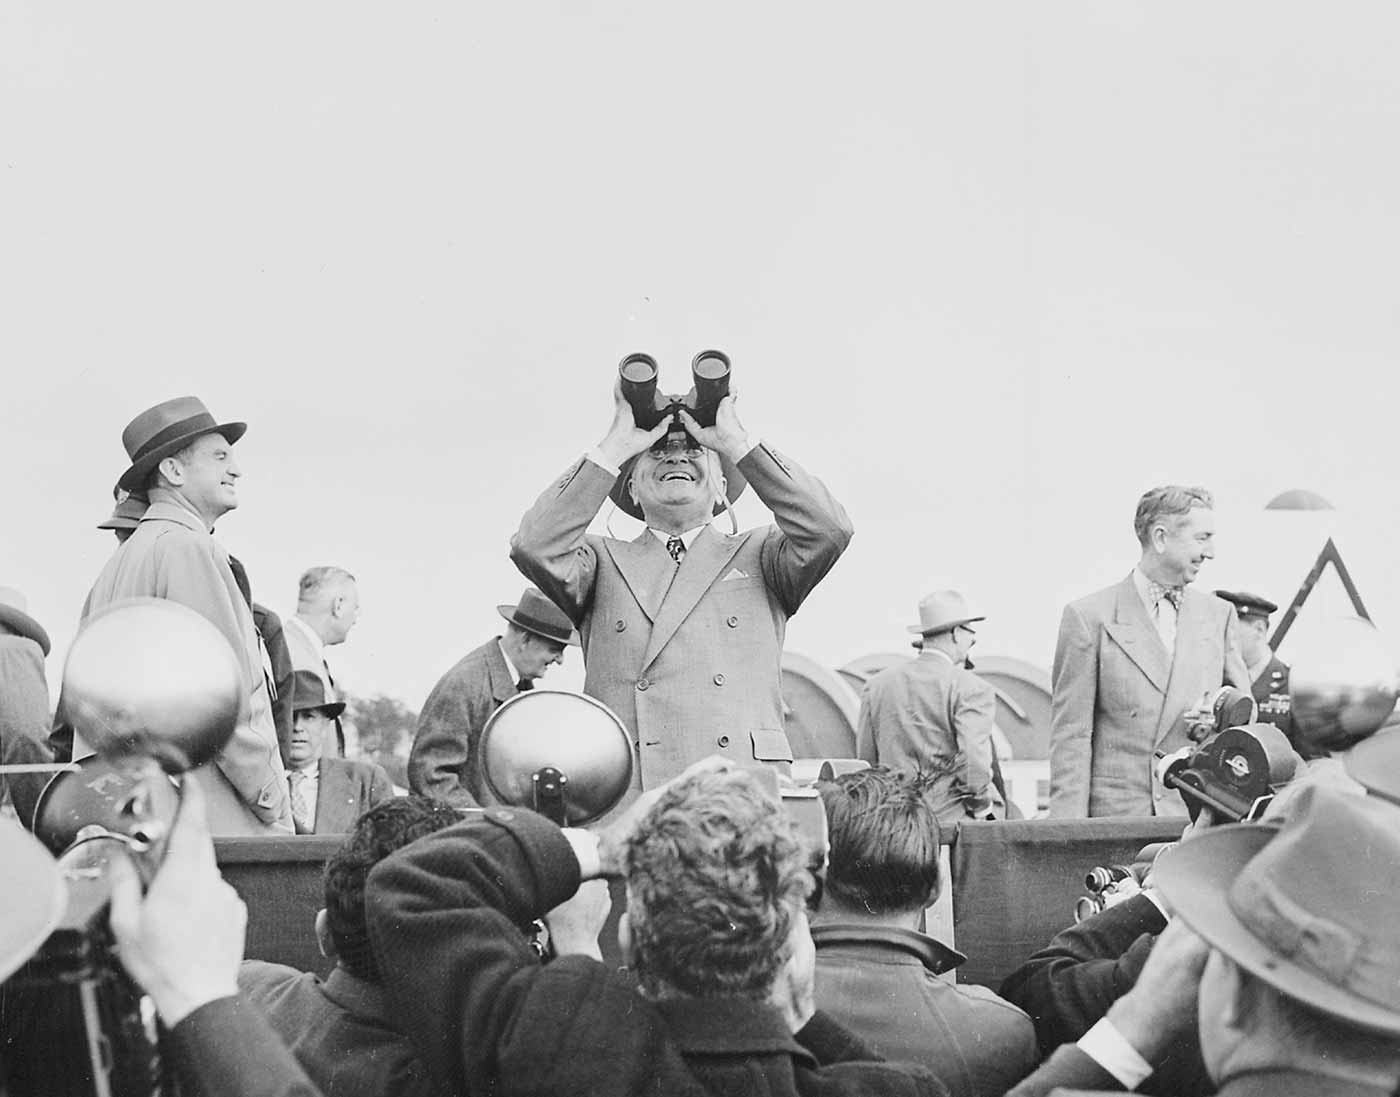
385,727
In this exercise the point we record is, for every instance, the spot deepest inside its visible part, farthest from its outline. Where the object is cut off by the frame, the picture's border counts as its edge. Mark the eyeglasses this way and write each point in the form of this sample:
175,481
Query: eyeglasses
677,443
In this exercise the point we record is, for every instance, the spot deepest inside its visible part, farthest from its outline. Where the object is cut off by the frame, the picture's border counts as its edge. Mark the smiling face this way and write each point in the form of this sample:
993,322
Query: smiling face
309,726
206,474
1183,543
677,483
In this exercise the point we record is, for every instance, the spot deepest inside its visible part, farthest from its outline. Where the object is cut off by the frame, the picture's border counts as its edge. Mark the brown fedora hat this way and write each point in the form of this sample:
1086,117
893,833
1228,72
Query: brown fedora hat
1305,906
309,692
128,511
734,484
943,610
536,613
14,615
166,429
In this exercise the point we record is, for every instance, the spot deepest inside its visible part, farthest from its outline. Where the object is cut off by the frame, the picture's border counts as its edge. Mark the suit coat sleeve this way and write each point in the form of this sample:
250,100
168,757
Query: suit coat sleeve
1069,1069
866,746
444,917
1068,986
812,528
24,721
194,575
226,1048
1075,684
551,548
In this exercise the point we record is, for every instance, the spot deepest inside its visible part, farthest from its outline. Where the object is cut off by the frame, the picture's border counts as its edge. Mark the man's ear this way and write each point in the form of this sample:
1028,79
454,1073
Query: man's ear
624,940
172,470
323,935
632,487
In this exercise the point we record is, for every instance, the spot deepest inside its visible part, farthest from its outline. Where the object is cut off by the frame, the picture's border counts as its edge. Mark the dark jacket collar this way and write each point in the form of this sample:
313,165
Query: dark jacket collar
936,957
730,1026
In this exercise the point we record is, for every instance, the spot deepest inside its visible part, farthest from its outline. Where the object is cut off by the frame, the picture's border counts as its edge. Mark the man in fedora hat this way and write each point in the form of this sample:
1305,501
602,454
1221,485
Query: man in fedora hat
683,627
934,716
1133,664
182,461
327,794
1294,970
24,703
443,762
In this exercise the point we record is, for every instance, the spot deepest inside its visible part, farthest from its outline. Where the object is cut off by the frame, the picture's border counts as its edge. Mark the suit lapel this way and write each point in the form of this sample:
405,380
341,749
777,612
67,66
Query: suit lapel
502,684
1193,628
1133,631
709,553
647,569
330,796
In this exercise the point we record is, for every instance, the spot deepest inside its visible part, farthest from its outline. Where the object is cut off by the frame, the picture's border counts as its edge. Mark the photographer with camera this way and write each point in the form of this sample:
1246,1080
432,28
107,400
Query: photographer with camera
682,628
715,933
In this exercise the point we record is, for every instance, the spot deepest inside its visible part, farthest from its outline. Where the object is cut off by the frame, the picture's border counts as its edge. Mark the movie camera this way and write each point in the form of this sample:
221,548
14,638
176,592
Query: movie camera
154,688
1236,764
709,371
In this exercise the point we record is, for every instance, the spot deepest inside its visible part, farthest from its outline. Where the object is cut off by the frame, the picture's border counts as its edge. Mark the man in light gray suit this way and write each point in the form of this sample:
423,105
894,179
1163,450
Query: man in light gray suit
1134,663
683,627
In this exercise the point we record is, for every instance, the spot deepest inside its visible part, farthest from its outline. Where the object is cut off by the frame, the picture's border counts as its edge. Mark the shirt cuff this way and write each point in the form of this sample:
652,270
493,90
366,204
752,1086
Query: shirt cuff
1110,1049
596,456
585,847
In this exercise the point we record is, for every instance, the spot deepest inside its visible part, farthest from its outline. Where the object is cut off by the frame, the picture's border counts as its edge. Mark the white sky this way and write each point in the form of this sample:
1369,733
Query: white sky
989,270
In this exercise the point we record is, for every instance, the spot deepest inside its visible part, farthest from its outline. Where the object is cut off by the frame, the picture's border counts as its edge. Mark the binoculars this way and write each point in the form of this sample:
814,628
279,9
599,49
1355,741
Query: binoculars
710,372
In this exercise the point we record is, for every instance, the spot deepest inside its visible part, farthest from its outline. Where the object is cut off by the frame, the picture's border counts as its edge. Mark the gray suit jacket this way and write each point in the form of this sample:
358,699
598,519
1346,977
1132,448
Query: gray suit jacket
926,714
346,790
689,658
1119,697
443,762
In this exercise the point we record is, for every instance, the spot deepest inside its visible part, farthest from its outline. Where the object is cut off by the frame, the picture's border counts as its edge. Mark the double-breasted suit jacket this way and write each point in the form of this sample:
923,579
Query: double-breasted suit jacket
1119,696
346,790
688,657
443,762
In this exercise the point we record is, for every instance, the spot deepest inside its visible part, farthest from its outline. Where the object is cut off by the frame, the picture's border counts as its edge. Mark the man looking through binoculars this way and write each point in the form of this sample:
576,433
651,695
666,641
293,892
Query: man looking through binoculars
682,628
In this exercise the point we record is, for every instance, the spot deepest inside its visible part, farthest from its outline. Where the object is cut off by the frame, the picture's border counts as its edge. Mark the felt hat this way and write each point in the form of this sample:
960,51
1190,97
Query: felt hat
165,429
536,613
33,899
14,616
1308,907
309,692
1375,764
943,610
734,484
128,511
1246,604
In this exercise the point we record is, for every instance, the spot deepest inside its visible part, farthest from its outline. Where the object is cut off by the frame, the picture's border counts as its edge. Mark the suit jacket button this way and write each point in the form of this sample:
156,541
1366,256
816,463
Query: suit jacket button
642,683
719,679
722,741
621,626
732,622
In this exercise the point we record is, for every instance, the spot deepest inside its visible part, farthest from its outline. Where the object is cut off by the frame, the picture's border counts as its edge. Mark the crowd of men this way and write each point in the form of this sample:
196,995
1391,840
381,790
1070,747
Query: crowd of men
1258,958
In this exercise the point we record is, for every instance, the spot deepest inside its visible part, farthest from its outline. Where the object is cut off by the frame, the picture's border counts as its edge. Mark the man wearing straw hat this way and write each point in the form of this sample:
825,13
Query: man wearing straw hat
683,627
932,715
443,763
182,461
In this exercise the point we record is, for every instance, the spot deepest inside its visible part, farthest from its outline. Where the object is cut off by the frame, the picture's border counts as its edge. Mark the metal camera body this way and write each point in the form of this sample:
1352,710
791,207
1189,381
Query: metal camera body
1235,769
709,371
156,689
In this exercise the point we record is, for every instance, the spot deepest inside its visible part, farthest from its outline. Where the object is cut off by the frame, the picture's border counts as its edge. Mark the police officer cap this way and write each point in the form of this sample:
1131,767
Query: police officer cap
1246,604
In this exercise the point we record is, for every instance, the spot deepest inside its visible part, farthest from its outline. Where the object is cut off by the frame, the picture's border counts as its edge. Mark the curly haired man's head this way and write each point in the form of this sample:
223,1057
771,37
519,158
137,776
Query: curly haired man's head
378,833
716,883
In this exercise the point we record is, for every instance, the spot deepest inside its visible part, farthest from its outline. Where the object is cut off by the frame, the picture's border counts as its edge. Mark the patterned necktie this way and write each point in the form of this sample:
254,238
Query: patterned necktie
1172,594
301,815
676,547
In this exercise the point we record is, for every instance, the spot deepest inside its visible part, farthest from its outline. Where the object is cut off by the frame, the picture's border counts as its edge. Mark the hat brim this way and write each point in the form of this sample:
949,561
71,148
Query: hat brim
919,630
734,484
135,476
119,523
1196,878
508,612
35,896
16,620
1375,763
332,709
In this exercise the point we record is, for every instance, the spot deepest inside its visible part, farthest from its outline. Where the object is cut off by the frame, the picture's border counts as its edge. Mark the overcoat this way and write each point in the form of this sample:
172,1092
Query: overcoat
689,657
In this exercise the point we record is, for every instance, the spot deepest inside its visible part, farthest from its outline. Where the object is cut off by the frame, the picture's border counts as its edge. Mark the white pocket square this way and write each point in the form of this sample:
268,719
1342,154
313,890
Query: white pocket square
734,573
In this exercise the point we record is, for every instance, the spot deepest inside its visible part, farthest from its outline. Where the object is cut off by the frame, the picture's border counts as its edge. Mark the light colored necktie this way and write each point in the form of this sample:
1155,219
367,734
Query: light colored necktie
301,815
